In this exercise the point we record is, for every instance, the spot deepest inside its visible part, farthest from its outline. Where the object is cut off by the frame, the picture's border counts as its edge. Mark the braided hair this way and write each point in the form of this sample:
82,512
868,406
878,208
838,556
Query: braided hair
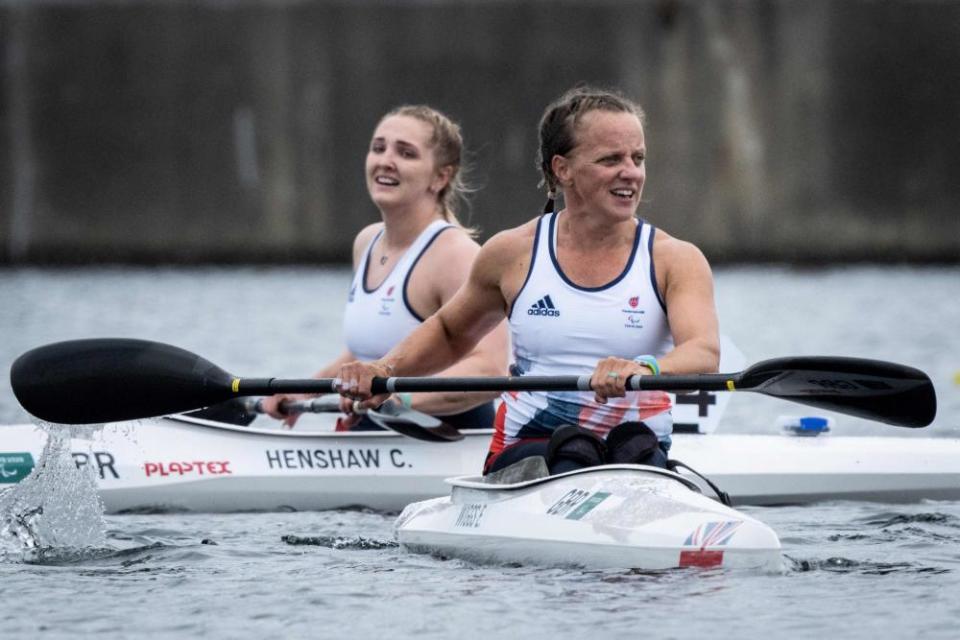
558,126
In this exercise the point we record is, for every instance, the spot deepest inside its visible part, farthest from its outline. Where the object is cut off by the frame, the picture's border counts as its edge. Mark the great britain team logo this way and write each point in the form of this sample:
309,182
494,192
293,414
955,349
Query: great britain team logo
543,307
386,303
634,313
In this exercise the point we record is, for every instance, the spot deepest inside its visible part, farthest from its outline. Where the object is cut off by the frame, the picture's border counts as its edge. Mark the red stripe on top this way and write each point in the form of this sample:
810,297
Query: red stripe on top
496,443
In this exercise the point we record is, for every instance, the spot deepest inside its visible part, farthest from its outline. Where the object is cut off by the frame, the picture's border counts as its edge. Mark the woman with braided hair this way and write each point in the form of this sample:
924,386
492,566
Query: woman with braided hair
589,289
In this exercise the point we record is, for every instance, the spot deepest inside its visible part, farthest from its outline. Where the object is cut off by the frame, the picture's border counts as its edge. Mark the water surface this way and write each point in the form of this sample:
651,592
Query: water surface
855,570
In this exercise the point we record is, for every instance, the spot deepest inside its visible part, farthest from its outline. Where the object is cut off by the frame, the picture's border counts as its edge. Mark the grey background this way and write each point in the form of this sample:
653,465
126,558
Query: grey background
236,131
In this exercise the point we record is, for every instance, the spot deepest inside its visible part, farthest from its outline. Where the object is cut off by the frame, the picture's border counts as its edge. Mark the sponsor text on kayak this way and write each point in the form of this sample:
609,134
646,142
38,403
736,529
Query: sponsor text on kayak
192,467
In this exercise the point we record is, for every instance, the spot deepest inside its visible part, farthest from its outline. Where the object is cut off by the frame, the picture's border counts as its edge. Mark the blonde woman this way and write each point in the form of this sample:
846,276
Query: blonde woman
413,261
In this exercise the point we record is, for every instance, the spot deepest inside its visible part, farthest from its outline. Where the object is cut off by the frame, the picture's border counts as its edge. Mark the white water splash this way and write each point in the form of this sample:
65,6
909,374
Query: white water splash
56,508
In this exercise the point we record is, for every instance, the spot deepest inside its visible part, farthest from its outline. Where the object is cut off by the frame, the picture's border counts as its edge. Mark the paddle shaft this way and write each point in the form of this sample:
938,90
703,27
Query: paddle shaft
871,389
270,386
323,404
390,415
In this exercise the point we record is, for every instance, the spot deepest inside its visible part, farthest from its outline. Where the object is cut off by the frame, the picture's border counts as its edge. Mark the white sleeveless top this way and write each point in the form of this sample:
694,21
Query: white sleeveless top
560,328
375,320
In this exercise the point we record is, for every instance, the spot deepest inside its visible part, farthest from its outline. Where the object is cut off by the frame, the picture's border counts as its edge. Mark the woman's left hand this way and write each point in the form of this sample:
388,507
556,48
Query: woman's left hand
609,378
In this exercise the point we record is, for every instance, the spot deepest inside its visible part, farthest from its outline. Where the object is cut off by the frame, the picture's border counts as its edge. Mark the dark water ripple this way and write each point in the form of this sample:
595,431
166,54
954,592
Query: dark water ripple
846,565
891,519
61,556
339,542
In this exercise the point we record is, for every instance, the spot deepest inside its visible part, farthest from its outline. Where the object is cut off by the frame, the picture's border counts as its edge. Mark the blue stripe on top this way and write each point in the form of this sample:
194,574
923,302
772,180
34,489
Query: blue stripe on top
366,265
563,276
406,281
533,260
653,268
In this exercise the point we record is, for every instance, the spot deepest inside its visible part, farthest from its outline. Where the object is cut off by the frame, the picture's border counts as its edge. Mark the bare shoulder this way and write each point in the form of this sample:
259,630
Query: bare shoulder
441,270
678,259
363,239
444,266
511,244
505,259
452,246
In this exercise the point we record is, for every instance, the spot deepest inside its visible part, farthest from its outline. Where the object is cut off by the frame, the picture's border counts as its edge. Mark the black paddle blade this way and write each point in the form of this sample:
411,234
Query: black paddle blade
113,379
236,411
873,389
441,433
413,424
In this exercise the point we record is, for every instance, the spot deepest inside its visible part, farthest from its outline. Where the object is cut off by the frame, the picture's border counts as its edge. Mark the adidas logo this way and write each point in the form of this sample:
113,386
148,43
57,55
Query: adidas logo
543,307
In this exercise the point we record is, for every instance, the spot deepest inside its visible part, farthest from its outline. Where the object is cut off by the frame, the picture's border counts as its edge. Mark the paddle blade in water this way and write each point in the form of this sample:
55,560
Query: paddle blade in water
873,389
112,379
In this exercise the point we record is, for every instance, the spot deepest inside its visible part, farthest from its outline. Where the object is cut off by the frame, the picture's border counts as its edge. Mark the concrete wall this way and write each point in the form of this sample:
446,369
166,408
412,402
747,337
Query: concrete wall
171,131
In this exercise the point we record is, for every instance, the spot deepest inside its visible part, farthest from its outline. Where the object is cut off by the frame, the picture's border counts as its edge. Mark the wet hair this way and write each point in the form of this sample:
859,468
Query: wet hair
447,145
559,122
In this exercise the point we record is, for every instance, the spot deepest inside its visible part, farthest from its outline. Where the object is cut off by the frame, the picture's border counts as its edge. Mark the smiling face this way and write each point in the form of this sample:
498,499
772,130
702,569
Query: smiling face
605,171
401,165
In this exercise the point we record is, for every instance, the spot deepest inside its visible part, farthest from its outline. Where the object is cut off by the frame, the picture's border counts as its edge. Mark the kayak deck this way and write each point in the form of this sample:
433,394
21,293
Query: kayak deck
615,516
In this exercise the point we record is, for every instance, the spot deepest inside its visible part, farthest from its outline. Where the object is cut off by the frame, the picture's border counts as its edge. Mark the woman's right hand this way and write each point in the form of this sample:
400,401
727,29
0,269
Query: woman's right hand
271,405
356,379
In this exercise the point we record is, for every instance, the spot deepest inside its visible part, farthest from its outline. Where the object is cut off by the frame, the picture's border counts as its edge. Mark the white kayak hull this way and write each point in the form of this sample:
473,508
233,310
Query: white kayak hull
176,464
182,464
622,516
783,469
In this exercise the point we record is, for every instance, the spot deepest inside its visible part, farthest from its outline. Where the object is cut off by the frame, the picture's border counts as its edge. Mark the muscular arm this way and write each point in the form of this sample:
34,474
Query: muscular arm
456,330
332,368
452,262
688,293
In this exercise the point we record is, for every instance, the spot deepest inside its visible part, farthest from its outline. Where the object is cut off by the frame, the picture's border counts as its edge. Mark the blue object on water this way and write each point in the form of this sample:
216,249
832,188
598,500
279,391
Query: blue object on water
806,425
814,423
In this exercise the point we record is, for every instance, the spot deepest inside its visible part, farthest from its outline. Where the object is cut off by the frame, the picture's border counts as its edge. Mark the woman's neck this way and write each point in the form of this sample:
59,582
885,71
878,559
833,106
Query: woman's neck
592,232
402,225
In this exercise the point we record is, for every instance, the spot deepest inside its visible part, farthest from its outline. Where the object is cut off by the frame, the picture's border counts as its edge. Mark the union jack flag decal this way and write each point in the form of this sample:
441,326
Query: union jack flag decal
711,534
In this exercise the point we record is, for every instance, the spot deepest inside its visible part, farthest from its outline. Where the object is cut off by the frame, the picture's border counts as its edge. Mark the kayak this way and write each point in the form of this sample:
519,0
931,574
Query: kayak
201,463
786,469
182,463
186,463
614,516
